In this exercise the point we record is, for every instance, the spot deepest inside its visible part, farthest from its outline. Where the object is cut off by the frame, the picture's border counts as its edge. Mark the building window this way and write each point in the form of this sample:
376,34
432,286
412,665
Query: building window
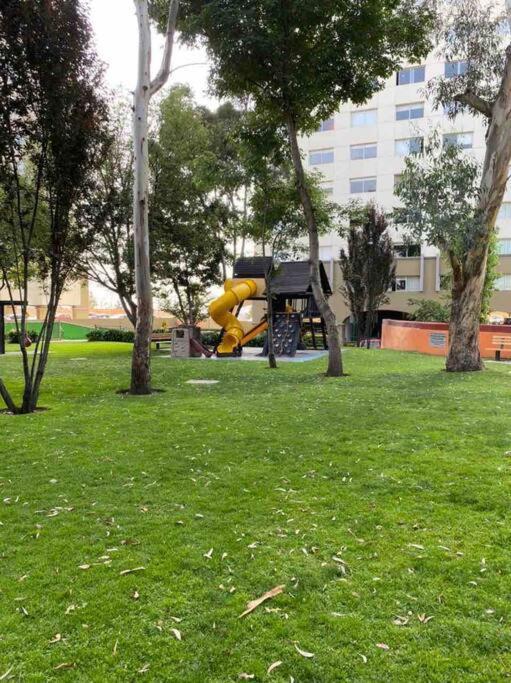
462,140
457,68
407,112
358,185
328,124
321,156
413,74
367,151
406,284
327,189
505,211
503,283
407,250
407,146
367,117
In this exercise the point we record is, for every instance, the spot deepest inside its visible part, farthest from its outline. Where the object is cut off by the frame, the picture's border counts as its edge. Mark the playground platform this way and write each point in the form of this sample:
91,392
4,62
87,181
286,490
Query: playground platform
254,354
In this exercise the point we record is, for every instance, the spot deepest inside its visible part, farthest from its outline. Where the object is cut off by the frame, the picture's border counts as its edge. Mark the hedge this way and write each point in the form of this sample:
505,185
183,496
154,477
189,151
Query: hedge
101,335
14,336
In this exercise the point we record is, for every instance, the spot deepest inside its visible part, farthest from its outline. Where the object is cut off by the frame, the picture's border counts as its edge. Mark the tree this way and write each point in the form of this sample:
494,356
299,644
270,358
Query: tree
429,310
107,214
51,120
145,90
188,207
368,267
473,33
441,193
297,61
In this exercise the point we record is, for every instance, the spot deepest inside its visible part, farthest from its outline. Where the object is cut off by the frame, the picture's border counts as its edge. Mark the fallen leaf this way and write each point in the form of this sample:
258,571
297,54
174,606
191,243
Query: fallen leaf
144,669
177,633
423,618
209,554
131,571
253,604
363,657
304,653
273,666
136,595
382,646
246,677
64,665
4,675
84,566
400,621
56,638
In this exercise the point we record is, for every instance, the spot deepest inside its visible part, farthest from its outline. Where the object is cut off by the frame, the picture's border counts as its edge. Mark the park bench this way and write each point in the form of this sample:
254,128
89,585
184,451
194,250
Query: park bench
499,343
160,338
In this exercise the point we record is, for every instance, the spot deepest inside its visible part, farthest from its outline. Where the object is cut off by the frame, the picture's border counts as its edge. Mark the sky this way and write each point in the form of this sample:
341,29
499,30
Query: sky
115,28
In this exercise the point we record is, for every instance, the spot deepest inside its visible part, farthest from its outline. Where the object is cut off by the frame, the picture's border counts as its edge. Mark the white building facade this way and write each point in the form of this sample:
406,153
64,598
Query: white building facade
360,153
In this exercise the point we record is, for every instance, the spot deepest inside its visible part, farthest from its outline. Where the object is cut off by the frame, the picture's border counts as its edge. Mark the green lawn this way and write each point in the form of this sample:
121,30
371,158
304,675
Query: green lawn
400,471
60,331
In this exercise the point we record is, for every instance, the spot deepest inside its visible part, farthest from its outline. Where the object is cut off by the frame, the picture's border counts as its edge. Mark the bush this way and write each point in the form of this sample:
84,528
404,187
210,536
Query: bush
430,311
14,336
101,335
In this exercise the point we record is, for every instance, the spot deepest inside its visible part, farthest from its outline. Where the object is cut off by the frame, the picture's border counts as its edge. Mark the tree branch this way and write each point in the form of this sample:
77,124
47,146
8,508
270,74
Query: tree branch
162,76
475,102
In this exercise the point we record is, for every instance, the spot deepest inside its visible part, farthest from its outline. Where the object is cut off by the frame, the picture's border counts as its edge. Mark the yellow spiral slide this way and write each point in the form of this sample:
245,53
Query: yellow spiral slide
236,291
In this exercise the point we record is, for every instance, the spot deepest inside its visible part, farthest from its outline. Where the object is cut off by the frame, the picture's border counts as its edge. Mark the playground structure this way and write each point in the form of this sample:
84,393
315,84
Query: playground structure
294,308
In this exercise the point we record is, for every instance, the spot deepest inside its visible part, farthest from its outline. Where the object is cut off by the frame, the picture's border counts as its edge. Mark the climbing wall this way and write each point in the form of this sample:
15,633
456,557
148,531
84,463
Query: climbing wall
286,333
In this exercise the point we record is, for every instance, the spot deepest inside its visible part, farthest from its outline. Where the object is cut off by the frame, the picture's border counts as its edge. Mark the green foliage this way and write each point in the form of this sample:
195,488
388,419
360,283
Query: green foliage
430,310
187,213
104,335
440,193
304,58
14,337
411,484
475,33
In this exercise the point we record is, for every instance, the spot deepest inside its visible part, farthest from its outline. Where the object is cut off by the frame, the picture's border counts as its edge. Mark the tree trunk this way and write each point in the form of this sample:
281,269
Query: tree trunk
146,88
335,368
468,278
272,361
464,354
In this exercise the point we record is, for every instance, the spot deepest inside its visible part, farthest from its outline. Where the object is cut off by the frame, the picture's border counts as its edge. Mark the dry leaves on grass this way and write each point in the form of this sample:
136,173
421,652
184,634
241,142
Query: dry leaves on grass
65,665
273,666
176,633
131,571
383,646
4,675
304,653
246,677
253,604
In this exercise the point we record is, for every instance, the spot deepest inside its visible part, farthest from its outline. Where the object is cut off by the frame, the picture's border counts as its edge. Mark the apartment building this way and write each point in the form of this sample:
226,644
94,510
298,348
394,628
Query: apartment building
360,153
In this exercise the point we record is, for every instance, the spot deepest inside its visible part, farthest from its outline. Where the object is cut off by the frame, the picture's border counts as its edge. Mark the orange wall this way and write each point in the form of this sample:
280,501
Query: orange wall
433,338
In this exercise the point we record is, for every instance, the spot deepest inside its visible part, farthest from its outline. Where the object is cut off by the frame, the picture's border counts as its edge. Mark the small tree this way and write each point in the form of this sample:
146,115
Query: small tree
430,310
298,60
145,90
368,267
475,32
51,119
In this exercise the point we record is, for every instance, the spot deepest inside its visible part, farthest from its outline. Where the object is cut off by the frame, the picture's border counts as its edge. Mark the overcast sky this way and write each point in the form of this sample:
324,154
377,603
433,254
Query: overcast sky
115,27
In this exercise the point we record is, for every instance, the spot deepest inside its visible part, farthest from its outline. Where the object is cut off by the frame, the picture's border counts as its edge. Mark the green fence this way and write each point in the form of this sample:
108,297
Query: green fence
61,331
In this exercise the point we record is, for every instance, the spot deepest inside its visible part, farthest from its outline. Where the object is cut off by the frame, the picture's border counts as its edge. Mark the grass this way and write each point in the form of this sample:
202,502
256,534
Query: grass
398,470
68,331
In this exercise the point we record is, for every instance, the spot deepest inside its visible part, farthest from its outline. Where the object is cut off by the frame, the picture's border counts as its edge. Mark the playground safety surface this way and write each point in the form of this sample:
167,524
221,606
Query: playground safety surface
254,354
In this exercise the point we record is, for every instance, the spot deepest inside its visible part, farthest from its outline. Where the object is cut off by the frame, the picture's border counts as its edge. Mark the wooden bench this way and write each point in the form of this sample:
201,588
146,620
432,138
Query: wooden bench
499,343
161,338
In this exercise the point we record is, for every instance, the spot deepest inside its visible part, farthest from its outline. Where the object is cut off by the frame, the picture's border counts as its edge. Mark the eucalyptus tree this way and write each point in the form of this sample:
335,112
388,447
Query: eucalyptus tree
145,90
298,61
51,137
475,43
